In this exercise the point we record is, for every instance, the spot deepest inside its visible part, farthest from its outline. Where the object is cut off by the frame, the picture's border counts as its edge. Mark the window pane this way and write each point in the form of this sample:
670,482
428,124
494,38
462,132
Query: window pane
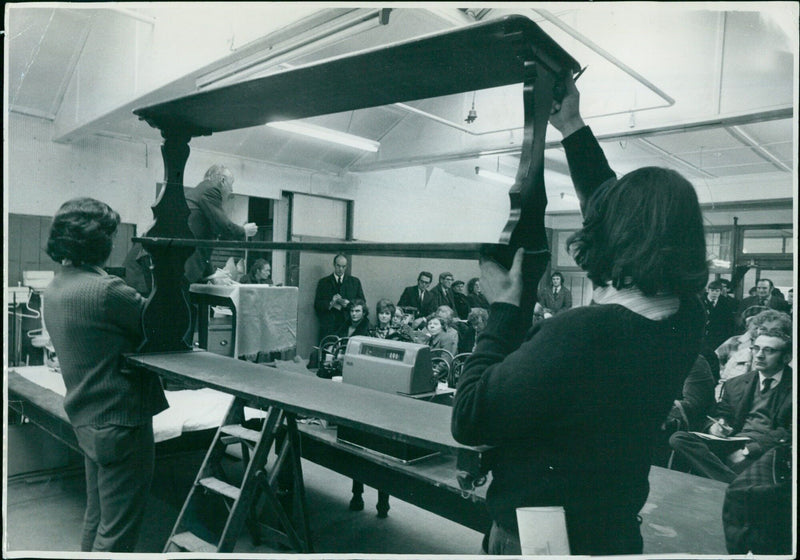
718,248
771,241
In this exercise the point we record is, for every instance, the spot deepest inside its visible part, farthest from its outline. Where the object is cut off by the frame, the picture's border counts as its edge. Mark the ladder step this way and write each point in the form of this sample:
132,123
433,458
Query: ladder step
241,432
192,543
220,487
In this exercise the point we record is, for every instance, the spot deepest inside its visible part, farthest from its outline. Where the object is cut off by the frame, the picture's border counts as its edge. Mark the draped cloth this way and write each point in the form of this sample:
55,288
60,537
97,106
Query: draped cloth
266,316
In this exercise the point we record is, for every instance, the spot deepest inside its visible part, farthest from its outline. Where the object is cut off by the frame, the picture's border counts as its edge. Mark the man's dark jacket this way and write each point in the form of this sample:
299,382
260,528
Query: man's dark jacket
332,319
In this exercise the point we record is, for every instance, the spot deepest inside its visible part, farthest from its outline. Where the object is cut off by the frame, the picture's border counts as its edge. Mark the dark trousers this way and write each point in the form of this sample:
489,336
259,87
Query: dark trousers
119,470
708,457
502,542
757,511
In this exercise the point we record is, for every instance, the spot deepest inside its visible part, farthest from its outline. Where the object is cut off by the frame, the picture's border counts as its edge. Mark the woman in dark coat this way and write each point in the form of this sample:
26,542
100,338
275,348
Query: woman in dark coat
475,296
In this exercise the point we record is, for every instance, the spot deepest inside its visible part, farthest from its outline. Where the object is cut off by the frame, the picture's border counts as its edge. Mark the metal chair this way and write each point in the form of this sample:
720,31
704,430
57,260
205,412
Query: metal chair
683,425
331,354
441,360
456,367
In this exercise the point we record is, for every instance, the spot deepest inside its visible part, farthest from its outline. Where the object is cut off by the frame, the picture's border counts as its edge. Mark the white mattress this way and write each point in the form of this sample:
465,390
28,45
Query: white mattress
188,411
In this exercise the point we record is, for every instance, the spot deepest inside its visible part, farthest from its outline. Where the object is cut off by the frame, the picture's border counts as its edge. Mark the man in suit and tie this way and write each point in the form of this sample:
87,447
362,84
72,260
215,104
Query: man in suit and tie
557,298
418,296
334,293
764,298
442,293
755,407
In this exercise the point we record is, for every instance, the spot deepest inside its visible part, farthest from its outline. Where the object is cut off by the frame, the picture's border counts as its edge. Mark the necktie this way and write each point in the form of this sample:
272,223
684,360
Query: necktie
767,384
421,296
339,284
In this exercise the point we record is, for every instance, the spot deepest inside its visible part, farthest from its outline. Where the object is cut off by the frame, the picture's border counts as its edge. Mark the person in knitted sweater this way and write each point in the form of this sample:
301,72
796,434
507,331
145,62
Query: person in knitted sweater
93,319
573,407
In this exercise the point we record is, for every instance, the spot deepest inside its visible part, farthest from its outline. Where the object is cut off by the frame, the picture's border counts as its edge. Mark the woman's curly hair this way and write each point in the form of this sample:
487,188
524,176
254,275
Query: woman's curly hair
82,232
644,230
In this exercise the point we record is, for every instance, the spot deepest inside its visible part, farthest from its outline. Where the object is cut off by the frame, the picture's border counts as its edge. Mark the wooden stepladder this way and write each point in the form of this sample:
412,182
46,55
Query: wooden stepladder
253,498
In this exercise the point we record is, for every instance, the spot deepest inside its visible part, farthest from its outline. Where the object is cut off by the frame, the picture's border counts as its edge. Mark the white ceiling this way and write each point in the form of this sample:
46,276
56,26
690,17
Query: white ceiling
708,92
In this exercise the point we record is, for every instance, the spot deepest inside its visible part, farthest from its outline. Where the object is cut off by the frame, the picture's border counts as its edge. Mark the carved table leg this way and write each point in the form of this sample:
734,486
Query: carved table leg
167,316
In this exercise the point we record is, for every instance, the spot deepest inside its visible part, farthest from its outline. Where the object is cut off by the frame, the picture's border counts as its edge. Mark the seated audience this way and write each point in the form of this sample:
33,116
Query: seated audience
734,354
440,336
474,294
476,320
756,407
384,312
460,299
260,273
357,323
401,323
450,322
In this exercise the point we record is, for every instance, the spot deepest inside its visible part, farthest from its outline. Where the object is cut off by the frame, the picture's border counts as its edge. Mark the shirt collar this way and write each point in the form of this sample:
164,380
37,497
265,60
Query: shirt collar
775,379
652,307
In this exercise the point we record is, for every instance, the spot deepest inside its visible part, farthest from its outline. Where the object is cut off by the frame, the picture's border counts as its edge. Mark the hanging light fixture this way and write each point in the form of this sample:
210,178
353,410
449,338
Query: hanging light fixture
492,176
472,115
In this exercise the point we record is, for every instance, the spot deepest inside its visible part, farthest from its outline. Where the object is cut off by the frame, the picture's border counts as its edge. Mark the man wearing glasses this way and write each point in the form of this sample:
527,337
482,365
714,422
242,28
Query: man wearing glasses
753,415
418,296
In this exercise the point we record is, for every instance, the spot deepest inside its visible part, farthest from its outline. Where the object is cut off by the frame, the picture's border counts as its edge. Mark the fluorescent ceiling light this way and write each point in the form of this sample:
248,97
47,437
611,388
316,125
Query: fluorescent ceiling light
327,134
491,175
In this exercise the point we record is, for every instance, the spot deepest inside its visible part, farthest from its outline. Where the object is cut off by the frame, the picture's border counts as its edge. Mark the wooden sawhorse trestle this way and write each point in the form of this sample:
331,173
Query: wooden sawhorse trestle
267,497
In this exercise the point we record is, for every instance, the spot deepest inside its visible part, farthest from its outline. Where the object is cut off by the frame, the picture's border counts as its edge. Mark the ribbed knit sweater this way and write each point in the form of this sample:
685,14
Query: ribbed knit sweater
93,319
574,410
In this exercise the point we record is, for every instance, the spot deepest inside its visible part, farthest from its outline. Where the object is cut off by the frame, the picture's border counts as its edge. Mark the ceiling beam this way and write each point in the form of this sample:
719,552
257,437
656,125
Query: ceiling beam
754,145
653,149
705,124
